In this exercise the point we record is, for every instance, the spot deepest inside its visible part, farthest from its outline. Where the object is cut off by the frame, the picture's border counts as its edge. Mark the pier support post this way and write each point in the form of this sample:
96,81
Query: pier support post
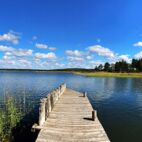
84,94
94,115
42,114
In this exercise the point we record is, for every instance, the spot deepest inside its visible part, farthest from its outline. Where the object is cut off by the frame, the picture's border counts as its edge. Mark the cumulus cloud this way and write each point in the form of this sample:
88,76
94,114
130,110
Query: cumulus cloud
138,55
139,43
76,53
78,59
7,63
52,48
16,52
95,63
7,57
22,52
6,48
89,57
10,37
14,62
50,56
86,64
100,50
75,56
125,58
59,65
44,46
24,58
25,62
40,45
27,58
48,64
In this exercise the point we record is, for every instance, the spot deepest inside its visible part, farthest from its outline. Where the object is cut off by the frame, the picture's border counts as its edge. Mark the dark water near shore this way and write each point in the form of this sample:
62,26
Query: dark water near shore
118,101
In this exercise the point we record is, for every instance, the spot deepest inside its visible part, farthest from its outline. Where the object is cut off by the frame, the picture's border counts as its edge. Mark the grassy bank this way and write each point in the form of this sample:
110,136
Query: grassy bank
110,74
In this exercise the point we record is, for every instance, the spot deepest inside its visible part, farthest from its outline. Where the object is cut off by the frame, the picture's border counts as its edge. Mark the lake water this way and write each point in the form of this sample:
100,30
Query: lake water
118,101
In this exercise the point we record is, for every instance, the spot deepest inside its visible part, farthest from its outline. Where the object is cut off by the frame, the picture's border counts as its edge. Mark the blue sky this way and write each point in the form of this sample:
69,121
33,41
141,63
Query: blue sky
47,34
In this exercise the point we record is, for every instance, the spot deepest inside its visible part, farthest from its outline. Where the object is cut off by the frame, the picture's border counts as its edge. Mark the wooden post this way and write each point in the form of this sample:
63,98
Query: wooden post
93,115
42,110
85,94
34,127
47,104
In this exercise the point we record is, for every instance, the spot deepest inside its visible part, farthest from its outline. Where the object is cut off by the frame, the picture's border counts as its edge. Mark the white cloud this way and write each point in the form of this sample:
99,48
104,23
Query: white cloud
23,58
7,63
16,52
8,53
10,37
59,65
138,55
50,56
52,48
89,57
76,53
48,65
25,62
139,43
17,62
86,64
22,52
100,50
95,63
44,46
125,58
6,48
27,58
11,61
8,56
78,59
75,56
40,45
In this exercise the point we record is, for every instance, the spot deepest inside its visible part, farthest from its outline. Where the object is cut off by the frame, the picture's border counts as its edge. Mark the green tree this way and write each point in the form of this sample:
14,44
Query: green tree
100,67
107,67
96,68
121,66
140,64
135,64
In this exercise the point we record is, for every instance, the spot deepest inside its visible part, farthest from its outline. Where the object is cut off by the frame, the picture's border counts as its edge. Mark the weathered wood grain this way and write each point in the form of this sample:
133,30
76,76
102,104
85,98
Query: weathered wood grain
71,121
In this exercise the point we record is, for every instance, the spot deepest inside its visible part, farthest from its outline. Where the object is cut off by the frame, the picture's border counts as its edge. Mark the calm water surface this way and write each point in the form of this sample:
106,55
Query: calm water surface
118,101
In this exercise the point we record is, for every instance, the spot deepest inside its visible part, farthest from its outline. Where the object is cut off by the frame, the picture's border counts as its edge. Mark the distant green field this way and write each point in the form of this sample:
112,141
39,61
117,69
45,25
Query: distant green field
110,74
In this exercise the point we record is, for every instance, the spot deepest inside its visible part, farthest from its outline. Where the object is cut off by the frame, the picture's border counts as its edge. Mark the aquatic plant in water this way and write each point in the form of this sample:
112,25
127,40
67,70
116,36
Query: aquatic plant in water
10,116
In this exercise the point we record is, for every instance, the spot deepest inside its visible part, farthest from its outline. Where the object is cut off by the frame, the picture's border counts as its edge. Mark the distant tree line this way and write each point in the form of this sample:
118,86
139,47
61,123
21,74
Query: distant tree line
121,66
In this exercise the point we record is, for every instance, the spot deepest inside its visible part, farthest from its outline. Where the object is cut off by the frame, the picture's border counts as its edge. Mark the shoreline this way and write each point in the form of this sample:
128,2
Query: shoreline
82,73
110,74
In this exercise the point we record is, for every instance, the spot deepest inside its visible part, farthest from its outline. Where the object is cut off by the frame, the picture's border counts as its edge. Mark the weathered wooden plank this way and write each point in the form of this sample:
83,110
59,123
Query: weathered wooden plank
71,121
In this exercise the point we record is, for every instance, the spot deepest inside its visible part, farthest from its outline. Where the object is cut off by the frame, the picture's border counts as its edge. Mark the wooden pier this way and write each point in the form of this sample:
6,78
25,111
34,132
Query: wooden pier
67,116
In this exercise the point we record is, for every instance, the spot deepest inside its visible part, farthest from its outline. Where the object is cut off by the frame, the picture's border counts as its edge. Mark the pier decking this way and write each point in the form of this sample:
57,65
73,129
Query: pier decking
71,120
